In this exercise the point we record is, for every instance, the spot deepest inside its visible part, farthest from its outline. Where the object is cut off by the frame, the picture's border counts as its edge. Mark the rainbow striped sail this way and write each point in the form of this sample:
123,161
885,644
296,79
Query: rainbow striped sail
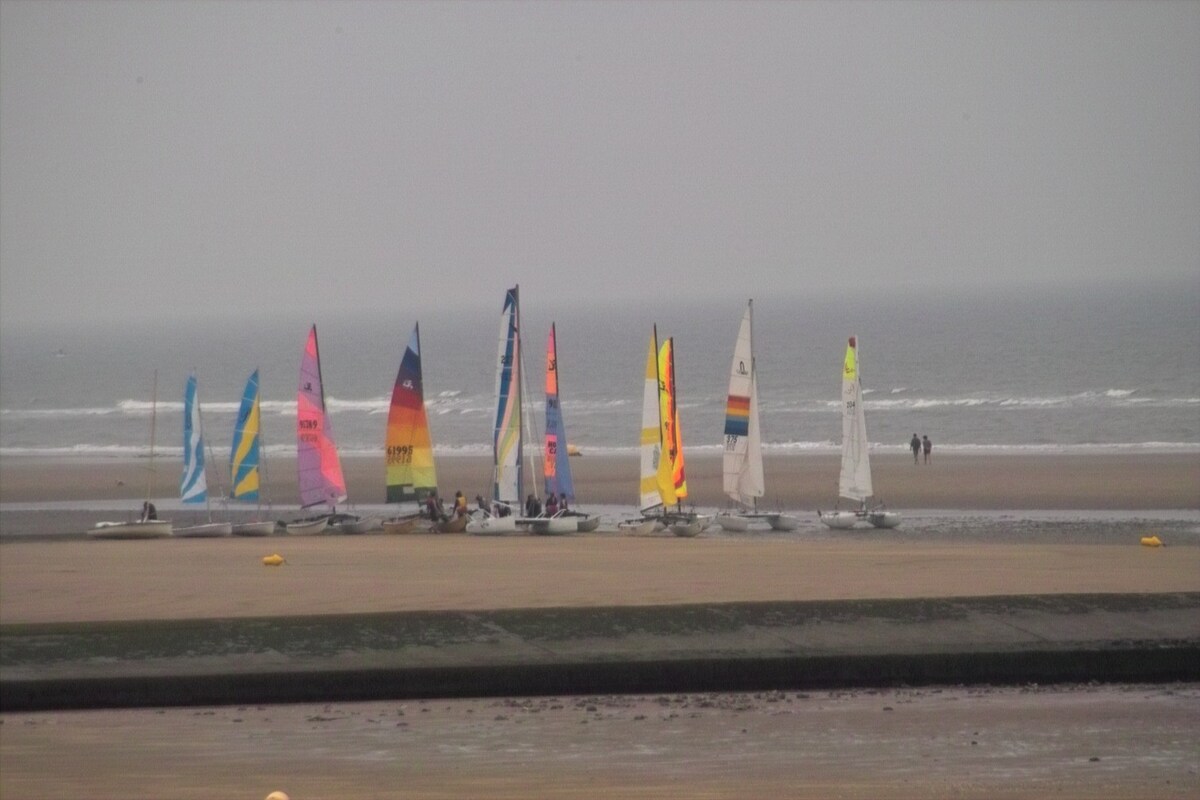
671,466
742,465
649,496
507,486
411,474
557,461
247,445
193,487
318,468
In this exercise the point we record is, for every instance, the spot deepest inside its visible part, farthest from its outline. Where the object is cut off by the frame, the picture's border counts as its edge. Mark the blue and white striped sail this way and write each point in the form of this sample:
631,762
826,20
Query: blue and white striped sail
507,485
244,458
193,488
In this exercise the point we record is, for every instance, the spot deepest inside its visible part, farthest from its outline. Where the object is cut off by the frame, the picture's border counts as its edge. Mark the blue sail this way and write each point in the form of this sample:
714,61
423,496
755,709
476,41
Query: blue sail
557,465
193,488
244,457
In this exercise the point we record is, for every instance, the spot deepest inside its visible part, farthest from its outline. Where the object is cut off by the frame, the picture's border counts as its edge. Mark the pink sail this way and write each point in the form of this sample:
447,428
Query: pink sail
319,470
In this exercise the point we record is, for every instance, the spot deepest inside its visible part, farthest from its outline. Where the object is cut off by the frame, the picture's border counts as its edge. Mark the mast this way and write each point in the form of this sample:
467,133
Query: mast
153,419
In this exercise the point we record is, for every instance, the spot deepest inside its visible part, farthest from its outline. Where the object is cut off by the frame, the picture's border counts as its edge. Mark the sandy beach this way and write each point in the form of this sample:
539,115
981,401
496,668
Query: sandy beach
1107,742
953,480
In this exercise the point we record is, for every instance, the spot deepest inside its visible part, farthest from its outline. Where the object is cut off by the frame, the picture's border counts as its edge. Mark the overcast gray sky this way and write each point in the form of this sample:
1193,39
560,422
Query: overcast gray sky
241,155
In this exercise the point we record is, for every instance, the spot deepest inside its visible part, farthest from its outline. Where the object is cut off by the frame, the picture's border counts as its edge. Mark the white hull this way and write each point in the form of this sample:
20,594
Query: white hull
355,526
307,527
884,519
254,528
405,525
587,523
841,520
733,523
687,529
210,530
492,526
783,522
554,526
151,529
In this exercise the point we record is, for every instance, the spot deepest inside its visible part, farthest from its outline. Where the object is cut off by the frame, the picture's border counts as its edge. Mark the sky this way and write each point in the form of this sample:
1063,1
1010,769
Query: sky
168,159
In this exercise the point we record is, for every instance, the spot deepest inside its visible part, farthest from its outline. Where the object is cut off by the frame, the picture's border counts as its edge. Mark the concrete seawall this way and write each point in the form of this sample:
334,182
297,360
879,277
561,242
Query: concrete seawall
648,649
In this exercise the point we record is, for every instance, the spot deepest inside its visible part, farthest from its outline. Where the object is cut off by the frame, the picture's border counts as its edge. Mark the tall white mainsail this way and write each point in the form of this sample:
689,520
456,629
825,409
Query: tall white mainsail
742,463
854,482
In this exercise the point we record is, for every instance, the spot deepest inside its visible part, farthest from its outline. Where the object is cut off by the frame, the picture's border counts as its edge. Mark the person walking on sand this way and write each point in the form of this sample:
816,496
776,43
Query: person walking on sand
915,444
927,446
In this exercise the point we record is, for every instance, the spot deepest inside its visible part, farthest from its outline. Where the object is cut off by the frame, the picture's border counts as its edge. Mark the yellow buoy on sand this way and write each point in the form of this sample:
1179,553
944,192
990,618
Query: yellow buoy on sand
277,796
1152,541
273,561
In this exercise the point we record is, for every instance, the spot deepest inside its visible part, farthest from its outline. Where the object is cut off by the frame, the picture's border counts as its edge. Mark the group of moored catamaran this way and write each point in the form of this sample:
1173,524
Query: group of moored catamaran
663,481
412,476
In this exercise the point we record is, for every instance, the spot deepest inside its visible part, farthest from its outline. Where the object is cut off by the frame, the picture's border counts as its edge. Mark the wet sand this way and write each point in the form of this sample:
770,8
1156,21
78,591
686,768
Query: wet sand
1127,481
1070,742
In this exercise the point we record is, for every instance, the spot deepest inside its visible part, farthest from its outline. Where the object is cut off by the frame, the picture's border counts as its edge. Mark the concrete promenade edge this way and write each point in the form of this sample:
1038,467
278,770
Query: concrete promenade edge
612,650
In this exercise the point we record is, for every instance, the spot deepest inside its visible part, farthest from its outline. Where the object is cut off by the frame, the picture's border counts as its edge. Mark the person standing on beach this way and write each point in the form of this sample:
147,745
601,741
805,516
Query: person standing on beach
915,444
927,446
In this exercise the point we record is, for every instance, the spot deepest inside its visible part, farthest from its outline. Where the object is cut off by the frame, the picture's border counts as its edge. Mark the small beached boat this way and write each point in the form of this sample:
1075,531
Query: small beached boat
148,526
318,467
246,457
193,484
854,480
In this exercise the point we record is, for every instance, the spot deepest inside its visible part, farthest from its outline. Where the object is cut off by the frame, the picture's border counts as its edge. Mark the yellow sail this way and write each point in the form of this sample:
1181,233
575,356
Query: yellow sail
672,484
651,439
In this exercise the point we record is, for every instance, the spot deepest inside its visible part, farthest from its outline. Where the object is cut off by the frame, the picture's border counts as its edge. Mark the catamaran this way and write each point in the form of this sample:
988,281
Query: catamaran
508,428
742,463
149,526
193,484
410,471
318,468
556,462
854,481
663,480
247,458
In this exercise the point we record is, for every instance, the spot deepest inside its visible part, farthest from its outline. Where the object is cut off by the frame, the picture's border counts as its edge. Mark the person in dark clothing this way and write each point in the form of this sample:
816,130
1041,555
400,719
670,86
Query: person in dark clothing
915,444
927,446
149,512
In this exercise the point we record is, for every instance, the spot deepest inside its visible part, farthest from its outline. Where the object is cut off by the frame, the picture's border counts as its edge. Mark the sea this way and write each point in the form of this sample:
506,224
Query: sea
1076,370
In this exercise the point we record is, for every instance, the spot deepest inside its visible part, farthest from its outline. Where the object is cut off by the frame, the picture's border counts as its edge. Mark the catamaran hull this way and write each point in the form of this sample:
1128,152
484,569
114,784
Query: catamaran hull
152,529
841,520
783,522
491,526
643,527
357,526
406,525
212,530
254,528
587,523
687,529
733,523
307,527
884,519
554,526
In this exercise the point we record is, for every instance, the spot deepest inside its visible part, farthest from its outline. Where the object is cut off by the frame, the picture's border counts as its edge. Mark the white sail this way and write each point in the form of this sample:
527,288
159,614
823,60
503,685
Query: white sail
742,463
651,439
508,429
854,482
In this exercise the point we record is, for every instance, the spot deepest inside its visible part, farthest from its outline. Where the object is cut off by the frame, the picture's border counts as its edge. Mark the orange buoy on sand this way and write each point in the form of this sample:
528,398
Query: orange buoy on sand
1152,541
273,561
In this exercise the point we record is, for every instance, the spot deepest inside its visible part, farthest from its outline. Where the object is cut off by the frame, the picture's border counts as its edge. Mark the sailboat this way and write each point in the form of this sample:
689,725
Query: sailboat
318,468
662,482
556,462
193,484
410,471
245,459
854,481
508,429
742,463
148,526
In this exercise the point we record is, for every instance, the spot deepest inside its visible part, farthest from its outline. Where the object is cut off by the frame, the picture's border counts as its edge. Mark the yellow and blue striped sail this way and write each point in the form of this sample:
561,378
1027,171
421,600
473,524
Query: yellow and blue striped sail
410,471
507,485
193,488
247,443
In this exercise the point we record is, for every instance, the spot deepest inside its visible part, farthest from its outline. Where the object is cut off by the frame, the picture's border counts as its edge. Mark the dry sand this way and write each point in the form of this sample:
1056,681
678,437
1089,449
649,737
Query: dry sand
1106,742
805,481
